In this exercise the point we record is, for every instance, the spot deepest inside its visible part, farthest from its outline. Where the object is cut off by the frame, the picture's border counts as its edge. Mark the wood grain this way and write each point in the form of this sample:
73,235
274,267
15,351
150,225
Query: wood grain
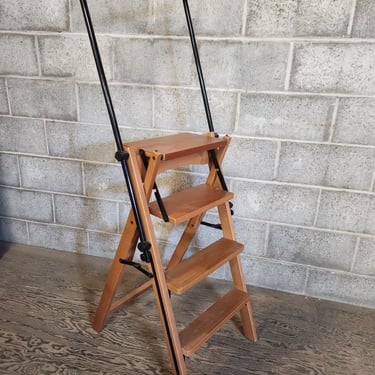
186,204
48,298
179,145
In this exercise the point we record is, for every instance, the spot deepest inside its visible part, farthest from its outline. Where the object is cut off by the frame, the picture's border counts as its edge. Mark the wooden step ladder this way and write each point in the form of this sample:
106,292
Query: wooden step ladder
190,206
141,162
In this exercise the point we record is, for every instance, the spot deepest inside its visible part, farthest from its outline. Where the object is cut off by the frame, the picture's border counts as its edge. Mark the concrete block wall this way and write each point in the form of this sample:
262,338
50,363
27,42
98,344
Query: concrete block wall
293,83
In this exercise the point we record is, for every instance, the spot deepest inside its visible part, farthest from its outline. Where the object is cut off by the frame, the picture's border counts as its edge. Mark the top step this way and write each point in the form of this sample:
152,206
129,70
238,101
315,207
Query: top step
178,145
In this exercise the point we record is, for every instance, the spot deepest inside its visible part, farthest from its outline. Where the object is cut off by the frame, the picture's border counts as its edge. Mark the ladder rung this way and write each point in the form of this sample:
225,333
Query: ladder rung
189,203
207,324
194,269
179,145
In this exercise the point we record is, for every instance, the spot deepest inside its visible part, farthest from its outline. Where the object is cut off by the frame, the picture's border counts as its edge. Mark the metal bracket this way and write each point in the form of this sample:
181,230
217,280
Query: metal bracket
121,155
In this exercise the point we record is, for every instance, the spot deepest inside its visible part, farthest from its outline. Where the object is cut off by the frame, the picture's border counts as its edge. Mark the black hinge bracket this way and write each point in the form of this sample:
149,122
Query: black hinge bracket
137,266
217,226
121,155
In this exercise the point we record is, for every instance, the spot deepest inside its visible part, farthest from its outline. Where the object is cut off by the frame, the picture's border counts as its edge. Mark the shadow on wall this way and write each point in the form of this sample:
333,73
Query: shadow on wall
10,230
4,247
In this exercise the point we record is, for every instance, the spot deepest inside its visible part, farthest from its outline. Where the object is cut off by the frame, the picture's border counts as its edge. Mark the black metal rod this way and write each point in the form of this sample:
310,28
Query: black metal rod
144,245
203,89
121,155
198,66
101,73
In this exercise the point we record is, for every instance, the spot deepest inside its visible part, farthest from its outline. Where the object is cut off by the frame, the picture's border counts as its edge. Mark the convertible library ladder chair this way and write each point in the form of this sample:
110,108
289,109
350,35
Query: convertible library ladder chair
141,162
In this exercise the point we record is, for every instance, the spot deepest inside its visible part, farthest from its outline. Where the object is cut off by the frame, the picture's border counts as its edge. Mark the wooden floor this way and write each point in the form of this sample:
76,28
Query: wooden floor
47,300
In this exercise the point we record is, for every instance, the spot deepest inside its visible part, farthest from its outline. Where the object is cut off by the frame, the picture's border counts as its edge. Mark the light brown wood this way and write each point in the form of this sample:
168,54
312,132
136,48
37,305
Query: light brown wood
191,271
160,288
237,273
125,250
247,319
178,145
208,323
129,296
185,240
188,203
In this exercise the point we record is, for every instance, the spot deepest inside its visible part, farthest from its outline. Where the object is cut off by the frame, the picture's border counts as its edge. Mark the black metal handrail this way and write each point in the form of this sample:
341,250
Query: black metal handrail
198,66
121,155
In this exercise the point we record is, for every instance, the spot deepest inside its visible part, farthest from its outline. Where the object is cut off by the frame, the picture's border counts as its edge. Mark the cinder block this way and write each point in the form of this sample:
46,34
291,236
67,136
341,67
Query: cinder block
286,116
26,205
250,233
298,18
71,56
311,247
115,16
105,181
183,110
173,181
347,211
22,135
340,286
206,235
363,25
325,165
249,66
250,158
13,231
370,297
9,170
43,15
86,213
51,175
4,109
365,259
103,244
160,61
339,68
274,275
133,105
78,141
58,237
166,250
355,121
88,142
42,98
213,17
287,204
18,55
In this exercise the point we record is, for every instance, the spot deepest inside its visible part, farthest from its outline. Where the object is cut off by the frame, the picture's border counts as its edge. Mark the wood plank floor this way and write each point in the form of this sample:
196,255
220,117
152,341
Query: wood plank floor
48,298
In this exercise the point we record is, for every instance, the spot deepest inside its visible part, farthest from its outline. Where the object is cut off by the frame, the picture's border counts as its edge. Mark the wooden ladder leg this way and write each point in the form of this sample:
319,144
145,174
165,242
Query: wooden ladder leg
237,273
142,188
185,240
125,250
168,323
247,319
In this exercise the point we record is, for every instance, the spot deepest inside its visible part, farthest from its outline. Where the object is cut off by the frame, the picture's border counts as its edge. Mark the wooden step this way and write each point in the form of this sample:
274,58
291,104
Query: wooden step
207,324
194,269
191,202
178,145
